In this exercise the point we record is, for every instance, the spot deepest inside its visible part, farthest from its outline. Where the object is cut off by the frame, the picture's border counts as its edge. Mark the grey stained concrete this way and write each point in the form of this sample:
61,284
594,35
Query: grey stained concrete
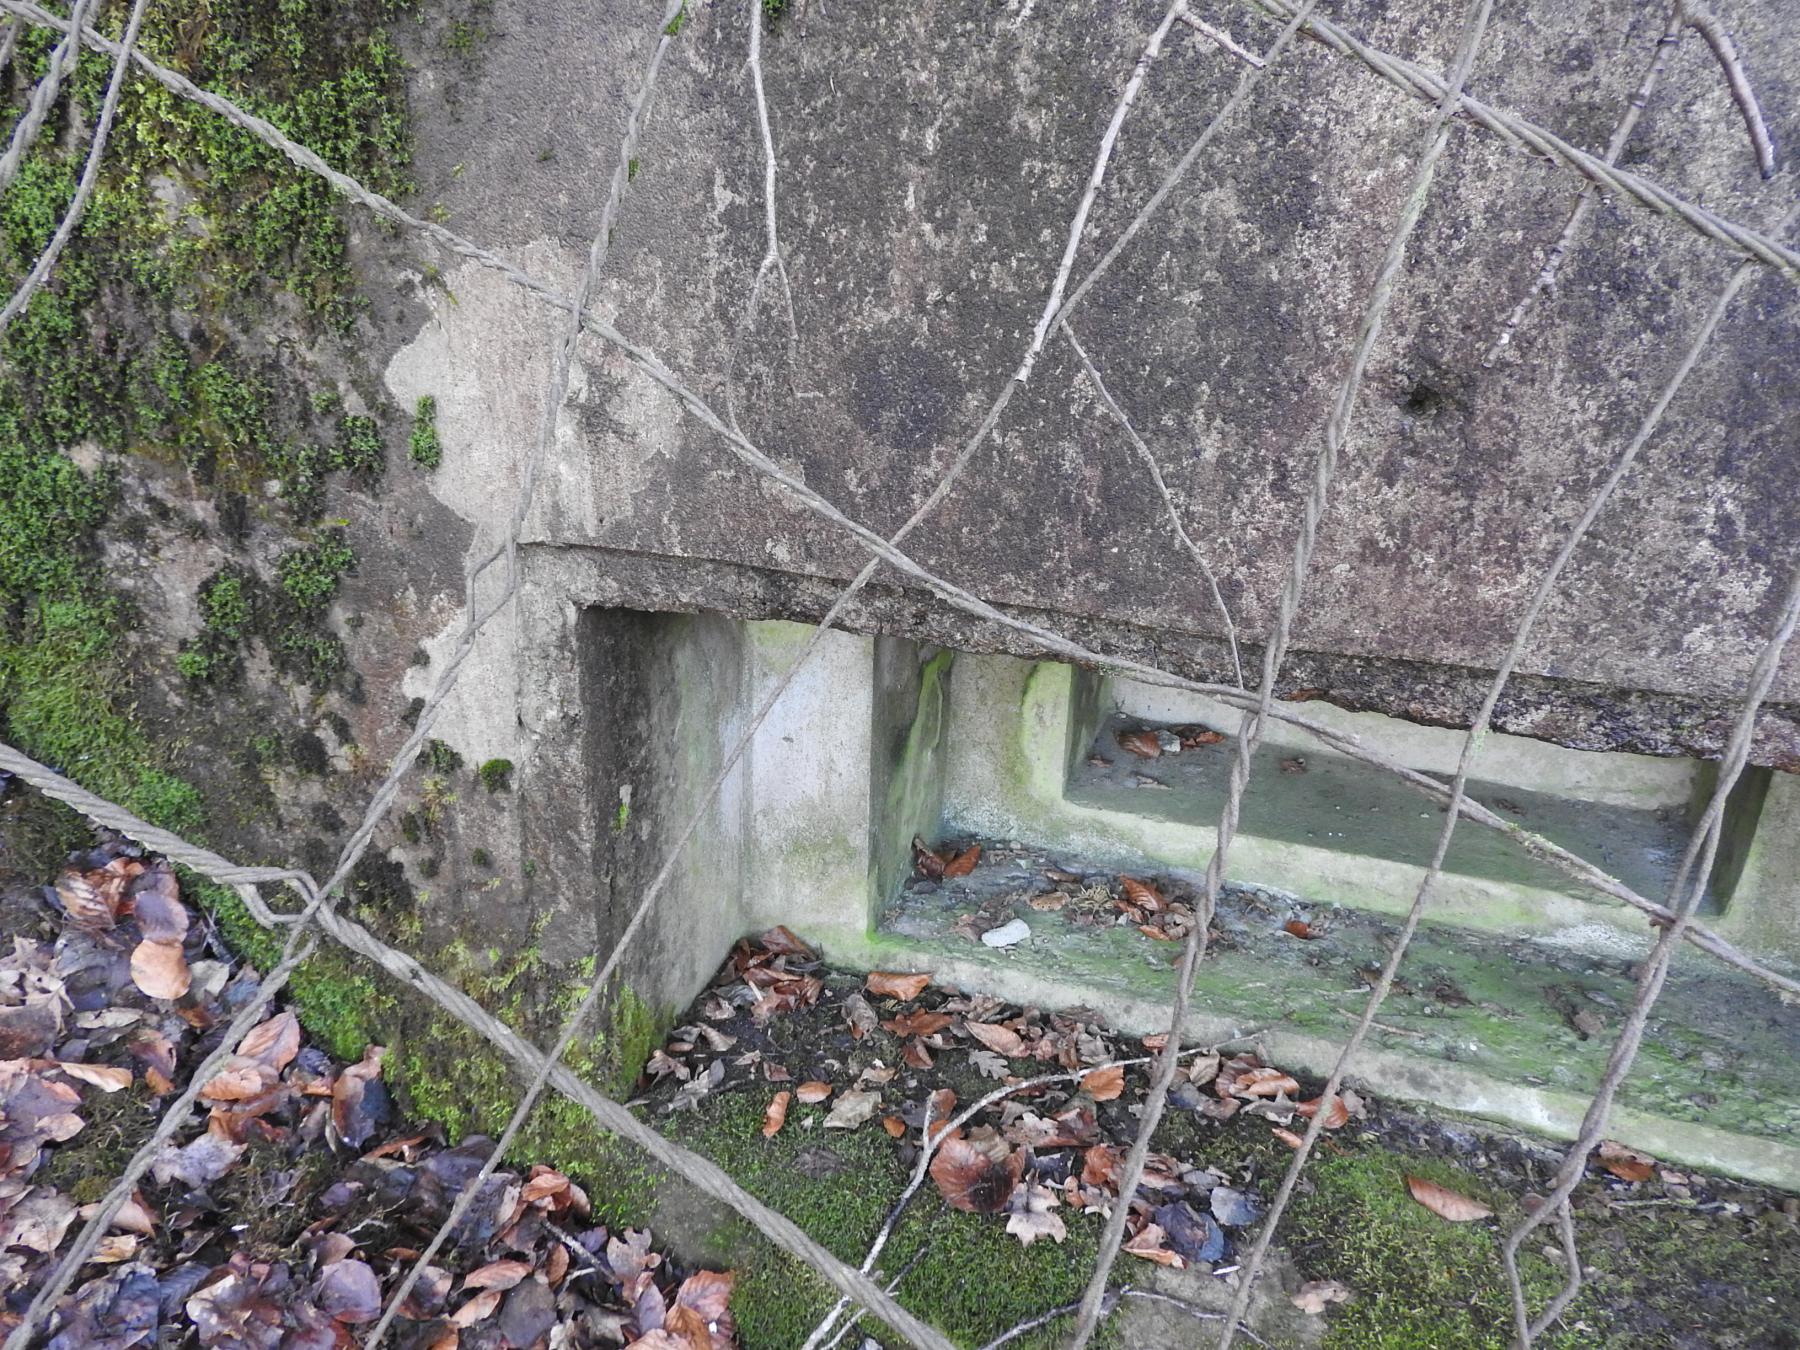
930,157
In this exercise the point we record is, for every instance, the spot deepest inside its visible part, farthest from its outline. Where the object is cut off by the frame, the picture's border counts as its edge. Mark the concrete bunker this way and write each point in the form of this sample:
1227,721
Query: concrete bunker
883,738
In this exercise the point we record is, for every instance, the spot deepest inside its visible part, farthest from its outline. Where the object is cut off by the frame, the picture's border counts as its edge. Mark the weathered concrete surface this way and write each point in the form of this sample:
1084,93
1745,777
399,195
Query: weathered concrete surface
930,157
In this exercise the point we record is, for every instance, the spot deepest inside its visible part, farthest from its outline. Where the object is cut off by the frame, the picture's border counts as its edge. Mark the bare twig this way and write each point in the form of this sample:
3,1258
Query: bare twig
1162,490
1704,22
1586,199
1220,38
90,174
1251,729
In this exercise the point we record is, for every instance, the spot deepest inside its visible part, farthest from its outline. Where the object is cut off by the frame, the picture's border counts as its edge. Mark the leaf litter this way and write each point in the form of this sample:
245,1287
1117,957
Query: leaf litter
295,1200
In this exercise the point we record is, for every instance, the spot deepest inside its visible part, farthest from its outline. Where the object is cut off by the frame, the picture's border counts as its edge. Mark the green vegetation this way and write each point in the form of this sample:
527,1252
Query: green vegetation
440,757
426,450
225,619
677,23
495,774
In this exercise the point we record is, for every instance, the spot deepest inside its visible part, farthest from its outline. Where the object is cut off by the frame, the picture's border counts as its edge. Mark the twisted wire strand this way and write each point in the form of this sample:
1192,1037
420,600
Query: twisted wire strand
1250,730
1685,895
1422,84
90,174
1465,763
555,395
62,61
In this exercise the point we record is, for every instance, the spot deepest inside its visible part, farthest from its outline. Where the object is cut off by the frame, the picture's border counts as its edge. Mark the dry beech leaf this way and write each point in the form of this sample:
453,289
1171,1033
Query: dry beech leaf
1300,928
1150,930
897,986
894,1126
997,1038
102,1076
973,1181
1627,1164
274,1042
1143,895
1148,1244
914,1054
776,1116
497,1275
477,1309
963,863
1104,1084
1313,1296
1288,1137
1335,1119
1143,744
1048,902
851,1110
1446,1203
919,1024
160,970
811,1093
928,864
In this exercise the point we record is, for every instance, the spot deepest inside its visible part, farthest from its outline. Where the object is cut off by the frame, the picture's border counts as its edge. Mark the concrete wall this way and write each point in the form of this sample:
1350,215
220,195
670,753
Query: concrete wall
929,160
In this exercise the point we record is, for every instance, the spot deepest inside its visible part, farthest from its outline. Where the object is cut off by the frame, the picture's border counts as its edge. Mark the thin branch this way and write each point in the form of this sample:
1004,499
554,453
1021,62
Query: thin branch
1703,21
90,174
1586,199
1162,490
1220,38
1250,730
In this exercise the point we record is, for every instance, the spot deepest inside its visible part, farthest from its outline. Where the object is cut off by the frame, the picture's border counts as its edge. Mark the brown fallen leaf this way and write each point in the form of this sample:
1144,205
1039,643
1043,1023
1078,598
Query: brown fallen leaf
1301,929
972,1180
927,863
894,1126
1100,1166
1446,1203
1145,896
1627,1164
1148,1245
497,1275
160,970
963,863
1287,1137
915,1055
1192,738
897,986
1001,1040
776,1116
1304,695
812,1092
1143,744
1313,1296
918,1023
102,1076
1048,902
851,1110
477,1309
1104,1084
1152,931
1029,1216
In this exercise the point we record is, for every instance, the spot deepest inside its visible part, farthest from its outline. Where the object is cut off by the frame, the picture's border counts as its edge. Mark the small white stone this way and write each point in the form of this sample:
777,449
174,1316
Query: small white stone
1007,934
1169,742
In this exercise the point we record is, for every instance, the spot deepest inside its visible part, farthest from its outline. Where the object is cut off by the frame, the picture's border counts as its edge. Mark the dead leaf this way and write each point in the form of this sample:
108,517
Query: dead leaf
963,863
1301,929
919,1023
274,1042
477,1309
1146,897
1048,902
1294,764
776,1116
1192,738
102,1076
1313,1296
989,1065
1288,1137
1627,1164
1103,1085
972,1180
1143,744
897,986
926,863
813,1092
1029,1216
915,1055
1148,1245
160,970
893,1125
497,1275
997,1038
852,1109
1100,1166
1150,930
1446,1203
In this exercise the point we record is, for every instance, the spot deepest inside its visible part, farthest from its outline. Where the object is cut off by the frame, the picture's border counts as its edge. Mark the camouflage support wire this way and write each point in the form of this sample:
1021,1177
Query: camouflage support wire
318,909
